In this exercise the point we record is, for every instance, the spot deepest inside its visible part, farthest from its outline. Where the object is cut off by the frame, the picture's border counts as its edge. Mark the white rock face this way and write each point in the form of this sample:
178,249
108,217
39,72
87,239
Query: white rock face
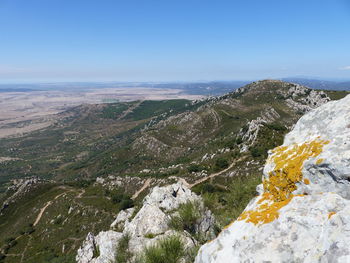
170,197
149,220
303,211
123,216
148,226
105,241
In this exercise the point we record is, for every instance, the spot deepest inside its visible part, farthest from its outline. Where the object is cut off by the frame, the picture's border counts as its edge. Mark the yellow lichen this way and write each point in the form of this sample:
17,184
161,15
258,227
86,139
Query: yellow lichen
319,161
306,181
266,212
288,167
330,214
282,180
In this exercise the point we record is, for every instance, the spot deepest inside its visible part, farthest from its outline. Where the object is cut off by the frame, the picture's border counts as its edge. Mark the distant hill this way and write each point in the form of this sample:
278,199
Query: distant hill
320,84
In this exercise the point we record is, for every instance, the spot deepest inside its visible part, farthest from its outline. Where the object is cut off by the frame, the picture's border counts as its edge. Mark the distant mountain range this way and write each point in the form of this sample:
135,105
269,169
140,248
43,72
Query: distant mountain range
210,88
320,84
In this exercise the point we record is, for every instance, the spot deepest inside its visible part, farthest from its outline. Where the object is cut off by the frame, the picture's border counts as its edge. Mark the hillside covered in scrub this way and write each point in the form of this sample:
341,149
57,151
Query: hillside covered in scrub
97,162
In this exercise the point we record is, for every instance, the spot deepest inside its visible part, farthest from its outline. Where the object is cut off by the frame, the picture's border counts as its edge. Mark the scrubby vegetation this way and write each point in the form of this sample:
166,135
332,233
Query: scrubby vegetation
228,203
170,250
123,254
186,218
79,208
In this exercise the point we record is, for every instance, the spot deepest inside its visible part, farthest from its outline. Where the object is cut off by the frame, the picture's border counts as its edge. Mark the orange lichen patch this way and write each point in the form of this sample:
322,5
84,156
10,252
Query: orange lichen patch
330,214
265,196
265,213
282,180
288,167
319,161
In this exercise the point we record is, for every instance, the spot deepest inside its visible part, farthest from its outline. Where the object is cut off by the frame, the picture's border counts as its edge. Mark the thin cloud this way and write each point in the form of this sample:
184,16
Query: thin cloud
10,70
345,68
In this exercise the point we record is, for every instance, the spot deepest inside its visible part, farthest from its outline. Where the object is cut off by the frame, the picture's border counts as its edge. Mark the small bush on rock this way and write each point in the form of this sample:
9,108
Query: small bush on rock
123,254
188,215
167,250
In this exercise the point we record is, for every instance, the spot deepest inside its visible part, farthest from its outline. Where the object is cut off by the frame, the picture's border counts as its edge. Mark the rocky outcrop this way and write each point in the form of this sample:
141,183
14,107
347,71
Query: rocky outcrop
250,136
18,188
299,98
302,213
148,225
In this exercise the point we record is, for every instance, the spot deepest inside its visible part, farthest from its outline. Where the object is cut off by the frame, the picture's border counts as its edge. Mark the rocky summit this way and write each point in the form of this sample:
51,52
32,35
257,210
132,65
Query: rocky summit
302,212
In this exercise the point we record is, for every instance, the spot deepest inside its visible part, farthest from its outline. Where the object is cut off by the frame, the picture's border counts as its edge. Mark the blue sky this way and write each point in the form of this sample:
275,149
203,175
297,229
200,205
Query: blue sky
178,40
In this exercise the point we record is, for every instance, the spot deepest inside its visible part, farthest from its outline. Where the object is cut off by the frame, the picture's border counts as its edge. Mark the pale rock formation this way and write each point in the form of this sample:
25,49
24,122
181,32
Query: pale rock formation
251,134
170,197
302,213
99,249
148,226
149,220
310,99
20,187
123,216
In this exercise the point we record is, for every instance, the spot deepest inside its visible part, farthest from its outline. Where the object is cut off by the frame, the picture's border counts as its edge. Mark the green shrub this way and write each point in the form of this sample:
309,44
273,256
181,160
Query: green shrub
126,203
58,220
123,254
221,163
29,229
188,216
228,205
194,168
150,235
122,199
167,250
192,253
208,188
257,151
242,190
81,183
239,140
63,259
9,239
96,252
276,126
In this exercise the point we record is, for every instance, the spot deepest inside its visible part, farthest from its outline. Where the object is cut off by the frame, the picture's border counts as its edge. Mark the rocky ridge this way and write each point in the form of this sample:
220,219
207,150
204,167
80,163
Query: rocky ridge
148,225
19,187
303,208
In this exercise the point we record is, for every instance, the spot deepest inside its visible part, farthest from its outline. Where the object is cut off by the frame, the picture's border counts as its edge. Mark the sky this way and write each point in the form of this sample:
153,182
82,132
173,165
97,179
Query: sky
178,40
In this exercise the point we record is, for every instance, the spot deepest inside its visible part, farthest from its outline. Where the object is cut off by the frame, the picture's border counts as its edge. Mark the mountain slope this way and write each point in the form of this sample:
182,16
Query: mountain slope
302,211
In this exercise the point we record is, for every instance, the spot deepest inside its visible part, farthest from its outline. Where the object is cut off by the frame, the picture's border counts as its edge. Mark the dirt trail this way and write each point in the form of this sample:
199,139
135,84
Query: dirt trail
42,210
145,185
201,180
126,112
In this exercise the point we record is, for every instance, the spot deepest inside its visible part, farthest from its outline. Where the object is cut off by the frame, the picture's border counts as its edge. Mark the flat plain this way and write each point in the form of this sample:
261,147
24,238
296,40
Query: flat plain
27,111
